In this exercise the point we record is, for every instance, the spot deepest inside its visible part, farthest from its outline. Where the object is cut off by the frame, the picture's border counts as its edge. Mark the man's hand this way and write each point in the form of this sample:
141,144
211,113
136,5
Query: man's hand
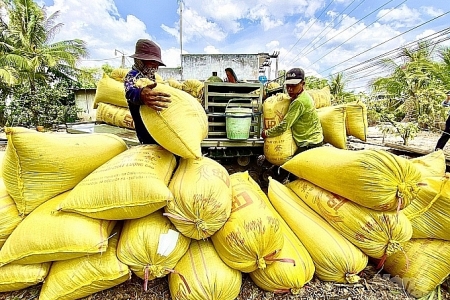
156,100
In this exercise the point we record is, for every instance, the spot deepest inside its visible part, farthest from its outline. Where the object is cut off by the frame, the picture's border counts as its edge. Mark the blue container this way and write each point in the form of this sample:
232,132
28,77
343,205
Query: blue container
262,79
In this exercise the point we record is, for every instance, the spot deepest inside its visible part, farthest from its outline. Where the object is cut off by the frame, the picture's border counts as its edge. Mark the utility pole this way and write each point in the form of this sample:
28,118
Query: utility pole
122,65
181,37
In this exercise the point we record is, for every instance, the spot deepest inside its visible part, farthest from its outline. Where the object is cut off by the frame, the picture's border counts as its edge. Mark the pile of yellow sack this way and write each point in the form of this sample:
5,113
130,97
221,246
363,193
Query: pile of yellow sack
181,136
82,213
338,122
110,102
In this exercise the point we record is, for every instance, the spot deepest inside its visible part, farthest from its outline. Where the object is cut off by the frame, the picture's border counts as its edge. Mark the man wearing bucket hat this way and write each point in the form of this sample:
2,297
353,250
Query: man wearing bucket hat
301,117
446,133
147,59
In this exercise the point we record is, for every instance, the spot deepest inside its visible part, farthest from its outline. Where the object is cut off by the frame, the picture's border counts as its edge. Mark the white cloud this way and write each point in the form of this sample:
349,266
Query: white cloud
211,50
100,26
261,13
196,27
252,26
399,17
431,11
273,45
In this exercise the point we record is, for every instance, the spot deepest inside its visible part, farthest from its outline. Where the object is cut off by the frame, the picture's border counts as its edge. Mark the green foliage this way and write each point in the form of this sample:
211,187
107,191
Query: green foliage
35,75
312,82
89,77
415,82
45,106
406,130
107,69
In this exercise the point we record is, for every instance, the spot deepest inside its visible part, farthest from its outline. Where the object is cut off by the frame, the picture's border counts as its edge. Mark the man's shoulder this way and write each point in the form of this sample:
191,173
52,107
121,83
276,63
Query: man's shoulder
133,73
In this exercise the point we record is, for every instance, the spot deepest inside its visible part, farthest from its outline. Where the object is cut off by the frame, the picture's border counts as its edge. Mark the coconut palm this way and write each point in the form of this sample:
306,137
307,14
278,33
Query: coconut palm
337,86
25,45
412,73
444,55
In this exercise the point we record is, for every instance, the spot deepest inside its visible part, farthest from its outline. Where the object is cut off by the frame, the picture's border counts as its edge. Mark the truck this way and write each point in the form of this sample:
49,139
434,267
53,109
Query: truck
224,102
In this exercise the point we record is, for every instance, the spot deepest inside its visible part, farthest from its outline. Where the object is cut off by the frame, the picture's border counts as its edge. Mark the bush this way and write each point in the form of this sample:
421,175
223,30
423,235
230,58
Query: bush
45,106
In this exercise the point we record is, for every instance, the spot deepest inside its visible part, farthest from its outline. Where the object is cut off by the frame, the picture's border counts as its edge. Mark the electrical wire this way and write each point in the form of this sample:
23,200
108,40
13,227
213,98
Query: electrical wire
393,54
356,34
341,32
380,43
312,44
310,26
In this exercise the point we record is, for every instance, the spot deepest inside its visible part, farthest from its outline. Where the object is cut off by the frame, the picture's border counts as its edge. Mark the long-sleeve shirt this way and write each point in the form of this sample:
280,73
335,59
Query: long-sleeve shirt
303,119
133,96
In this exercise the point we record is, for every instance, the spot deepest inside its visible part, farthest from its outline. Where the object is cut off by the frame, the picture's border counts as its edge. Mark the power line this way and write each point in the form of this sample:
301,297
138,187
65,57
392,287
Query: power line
312,44
340,32
310,27
364,66
383,42
355,34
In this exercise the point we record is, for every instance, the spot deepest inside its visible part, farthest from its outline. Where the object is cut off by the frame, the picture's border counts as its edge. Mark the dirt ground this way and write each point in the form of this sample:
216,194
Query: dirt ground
374,285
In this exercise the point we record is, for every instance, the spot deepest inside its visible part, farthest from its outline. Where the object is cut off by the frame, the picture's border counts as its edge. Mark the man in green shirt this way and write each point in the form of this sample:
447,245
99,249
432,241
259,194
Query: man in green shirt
301,117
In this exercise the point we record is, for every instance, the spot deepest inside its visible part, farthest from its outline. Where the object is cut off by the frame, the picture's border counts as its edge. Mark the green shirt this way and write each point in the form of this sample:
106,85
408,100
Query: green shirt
303,120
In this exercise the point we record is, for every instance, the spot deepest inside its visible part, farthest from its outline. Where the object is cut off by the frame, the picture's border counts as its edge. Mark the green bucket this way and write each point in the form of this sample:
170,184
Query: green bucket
238,122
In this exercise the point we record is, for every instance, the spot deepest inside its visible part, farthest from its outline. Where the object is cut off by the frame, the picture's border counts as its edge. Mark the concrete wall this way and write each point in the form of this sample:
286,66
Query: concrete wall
201,66
168,73
84,99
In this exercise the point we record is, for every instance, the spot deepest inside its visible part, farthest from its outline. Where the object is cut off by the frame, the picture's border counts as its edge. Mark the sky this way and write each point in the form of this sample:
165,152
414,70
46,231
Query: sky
324,37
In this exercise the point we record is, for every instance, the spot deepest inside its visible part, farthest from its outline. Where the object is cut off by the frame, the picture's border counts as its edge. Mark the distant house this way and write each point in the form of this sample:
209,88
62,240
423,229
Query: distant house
84,99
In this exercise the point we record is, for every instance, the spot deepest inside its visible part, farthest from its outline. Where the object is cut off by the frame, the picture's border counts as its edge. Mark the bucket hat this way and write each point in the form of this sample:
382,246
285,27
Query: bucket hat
147,50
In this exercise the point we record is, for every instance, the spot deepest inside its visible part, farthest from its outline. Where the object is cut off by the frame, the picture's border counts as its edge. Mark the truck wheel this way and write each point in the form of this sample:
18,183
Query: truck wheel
243,161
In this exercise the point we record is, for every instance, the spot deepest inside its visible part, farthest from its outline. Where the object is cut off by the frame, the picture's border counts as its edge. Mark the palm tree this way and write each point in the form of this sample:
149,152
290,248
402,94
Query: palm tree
409,79
337,86
28,58
25,45
444,55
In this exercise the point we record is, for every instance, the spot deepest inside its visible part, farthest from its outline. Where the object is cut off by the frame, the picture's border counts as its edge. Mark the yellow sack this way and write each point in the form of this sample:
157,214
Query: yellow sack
181,127
281,148
375,179
110,91
80,277
175,83
431,165
273,85
335,258
356,119
2,155
193,87
48,236
39,166
9,215
201,274
429,211
423,266
202,197
114,115
332,119
159,79
252,237
321,97
293,269
15,277
377,234
119,74
151,246
131,185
